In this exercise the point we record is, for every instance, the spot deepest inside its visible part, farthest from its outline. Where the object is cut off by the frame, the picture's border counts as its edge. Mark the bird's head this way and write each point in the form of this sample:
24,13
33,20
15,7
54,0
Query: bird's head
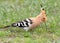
43,14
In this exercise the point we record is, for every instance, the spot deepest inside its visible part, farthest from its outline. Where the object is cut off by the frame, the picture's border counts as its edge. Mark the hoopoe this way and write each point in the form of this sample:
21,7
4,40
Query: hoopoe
31,23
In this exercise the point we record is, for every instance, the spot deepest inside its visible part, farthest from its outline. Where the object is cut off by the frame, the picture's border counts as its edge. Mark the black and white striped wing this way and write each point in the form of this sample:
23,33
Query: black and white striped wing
23,23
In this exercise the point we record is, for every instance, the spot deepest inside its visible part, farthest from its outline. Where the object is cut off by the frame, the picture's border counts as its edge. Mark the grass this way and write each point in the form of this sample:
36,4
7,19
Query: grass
15,10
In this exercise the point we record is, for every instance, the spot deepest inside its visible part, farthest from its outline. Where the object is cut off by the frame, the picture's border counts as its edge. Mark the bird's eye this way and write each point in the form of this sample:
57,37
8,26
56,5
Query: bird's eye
43,18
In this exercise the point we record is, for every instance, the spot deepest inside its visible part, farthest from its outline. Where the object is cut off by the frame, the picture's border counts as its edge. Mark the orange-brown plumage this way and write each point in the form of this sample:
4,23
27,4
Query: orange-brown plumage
39,19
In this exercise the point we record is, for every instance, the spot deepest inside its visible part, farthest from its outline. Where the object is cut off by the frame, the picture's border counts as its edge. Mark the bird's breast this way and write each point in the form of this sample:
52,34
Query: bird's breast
36,22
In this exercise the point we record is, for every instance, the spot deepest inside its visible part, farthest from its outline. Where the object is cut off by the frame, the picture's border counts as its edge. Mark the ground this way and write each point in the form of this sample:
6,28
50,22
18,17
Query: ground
15,10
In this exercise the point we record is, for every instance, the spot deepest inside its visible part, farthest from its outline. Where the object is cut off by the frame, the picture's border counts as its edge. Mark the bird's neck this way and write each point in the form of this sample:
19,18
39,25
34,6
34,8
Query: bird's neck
38,18
41,16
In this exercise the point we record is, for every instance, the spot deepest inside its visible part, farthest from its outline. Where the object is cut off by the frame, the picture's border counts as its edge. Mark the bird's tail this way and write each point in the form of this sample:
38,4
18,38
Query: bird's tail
5,27
12,25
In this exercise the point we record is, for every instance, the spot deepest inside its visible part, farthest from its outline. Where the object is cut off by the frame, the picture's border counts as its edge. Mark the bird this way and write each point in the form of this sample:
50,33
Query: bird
31,23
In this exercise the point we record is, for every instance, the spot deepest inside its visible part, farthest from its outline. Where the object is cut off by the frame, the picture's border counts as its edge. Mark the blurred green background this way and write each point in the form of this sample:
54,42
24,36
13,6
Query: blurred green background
15,10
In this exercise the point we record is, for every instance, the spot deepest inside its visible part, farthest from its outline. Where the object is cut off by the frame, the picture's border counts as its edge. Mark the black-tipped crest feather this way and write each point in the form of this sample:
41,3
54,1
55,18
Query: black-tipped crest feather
42,7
